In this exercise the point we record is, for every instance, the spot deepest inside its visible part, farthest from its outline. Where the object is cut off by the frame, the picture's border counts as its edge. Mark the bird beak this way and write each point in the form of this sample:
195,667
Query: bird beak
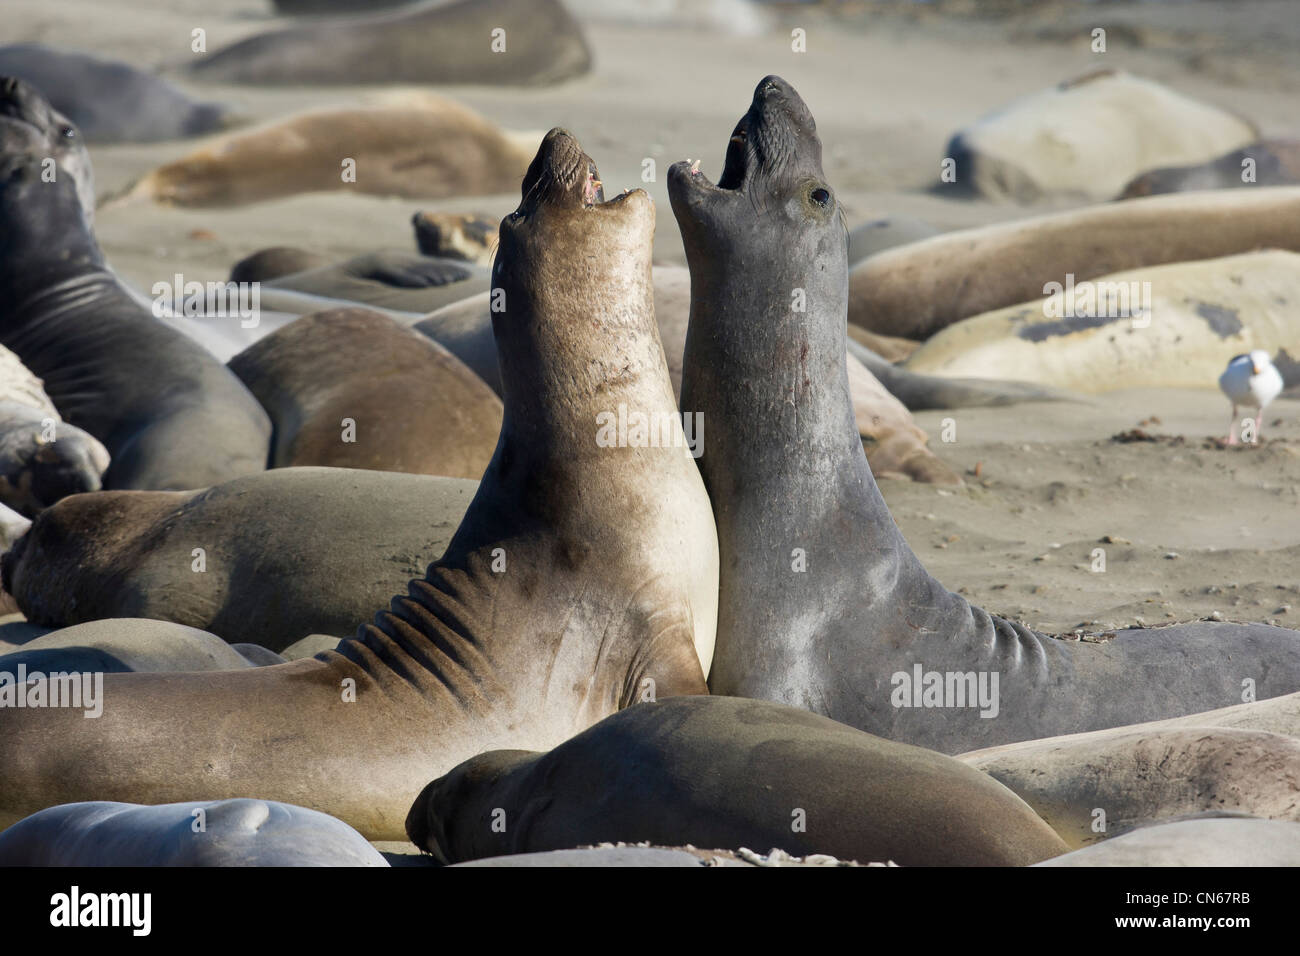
1256,367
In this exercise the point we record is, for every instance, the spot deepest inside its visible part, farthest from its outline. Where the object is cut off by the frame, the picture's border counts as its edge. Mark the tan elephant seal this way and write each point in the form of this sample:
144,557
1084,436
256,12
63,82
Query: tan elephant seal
583,576
351,388
725,771
456,236
916,290
428,149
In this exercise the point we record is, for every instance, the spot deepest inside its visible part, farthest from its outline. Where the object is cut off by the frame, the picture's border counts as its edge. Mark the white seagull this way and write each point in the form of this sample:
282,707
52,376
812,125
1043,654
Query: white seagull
1250,380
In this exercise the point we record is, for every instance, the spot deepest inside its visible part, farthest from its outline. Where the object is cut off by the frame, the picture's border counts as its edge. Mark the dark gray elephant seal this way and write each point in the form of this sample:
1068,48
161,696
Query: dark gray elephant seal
169,413
274,262
238,832
583,576
29,125
433,43
1276,163
388,279
723,771
286,553
110,101
823,604
351,388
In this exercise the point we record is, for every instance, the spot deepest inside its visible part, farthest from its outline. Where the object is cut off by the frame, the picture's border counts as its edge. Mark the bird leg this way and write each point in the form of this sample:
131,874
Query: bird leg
1232,422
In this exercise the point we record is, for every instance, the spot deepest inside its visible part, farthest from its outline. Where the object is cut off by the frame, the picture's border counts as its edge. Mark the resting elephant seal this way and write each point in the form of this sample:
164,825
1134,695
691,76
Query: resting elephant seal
1087,137
42,457
401,281
436,43
274,262
915,290
722,771
1091,787
823,604
1173,326
456,236
1228,842
583,575
351,388
29,125
1270,162
111,101
169,413
239,832
285,553
430,148
122,645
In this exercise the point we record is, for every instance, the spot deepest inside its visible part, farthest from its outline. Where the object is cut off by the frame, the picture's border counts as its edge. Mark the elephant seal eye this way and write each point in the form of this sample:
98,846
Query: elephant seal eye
69,132
821,197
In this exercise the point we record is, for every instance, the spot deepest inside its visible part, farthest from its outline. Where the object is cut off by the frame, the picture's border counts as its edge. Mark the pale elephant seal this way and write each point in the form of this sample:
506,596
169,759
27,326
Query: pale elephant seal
878,235
111,101
823,604
399,281
351,388
1269,162
284,553
1091,787
314,7
1227,843
238,832
124,645
169,413
1087,137
428,149
722,771
915,290
436,43
583,577
29,125
456,236
42,457
1173,326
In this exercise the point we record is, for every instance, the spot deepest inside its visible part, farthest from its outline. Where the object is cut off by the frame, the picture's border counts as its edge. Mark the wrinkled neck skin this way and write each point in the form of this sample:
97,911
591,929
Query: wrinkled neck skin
566,356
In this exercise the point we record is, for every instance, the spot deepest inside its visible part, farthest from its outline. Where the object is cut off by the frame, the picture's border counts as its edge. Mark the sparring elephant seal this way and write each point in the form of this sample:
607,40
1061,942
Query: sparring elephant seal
110,101
284,553
169,413
435,43
916,290
42,457
238,832
723,771
351,388
581,576
823,604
